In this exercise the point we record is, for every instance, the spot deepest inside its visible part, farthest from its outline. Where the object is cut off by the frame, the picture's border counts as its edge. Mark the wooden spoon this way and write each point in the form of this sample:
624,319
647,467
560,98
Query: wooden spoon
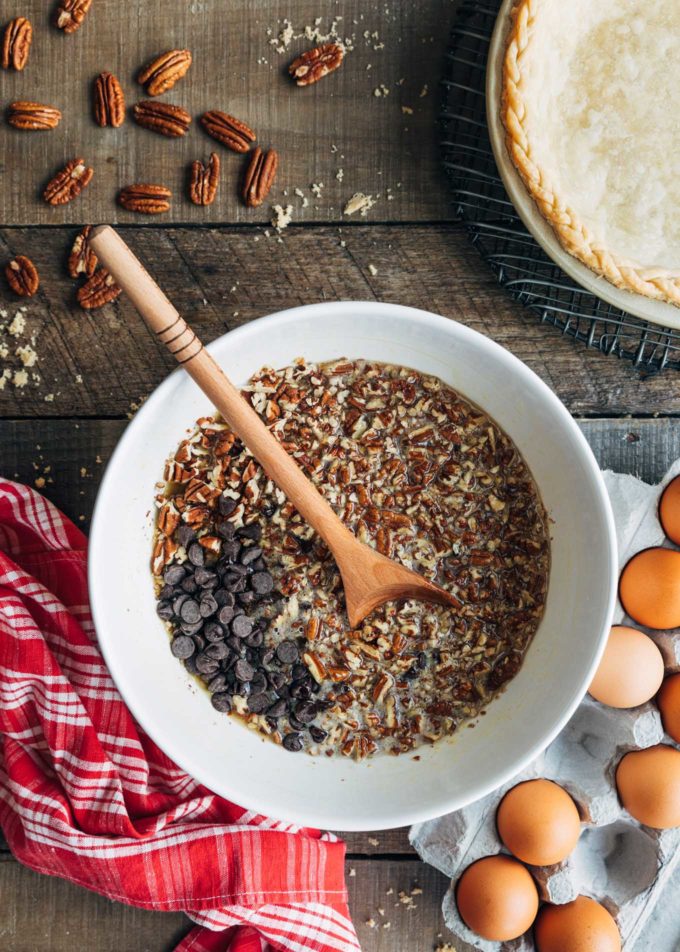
369,578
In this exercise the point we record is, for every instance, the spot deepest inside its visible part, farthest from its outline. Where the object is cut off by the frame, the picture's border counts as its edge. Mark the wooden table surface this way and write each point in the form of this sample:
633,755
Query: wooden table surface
224,266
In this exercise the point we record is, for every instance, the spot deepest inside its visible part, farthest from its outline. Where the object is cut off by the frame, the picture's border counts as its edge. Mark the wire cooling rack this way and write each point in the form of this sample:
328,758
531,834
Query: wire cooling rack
495,229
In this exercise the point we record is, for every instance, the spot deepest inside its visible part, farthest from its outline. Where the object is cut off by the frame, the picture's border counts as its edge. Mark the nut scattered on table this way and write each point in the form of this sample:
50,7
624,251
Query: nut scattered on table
145,199
68,183
109,101
314,64
260,176
164,71
162,117
100,289
16,43
70,14
233,133
82,259
22,276
204,180
32,116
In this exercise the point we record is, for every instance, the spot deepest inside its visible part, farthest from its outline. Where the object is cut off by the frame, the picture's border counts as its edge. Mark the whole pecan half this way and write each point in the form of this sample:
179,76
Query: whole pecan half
314,64
32,116
99,290
145,199
233,133
22,276
260,176
70,14
162,117
16,43
82,259
164,71
68,183
204,180
109,101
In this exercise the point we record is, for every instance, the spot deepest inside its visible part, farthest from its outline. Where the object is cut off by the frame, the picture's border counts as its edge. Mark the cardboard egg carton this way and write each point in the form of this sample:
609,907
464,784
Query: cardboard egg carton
622,864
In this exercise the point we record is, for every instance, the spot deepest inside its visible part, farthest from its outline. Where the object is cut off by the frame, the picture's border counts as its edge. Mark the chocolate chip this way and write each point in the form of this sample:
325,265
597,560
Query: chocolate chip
190,664
225,530
247,599
243,670
235,644
258,703
262,583
268,656
278,709
213,631
293,742
300,672
295,723
199,641
251,531
178,602
218,683
189,585
186,535
205,577
259,565
250,555
230,551
255,638
165,611
318,734
191,629
422,660
221,702
226,505
269,509
219,651
241,626
258,683
208,606
300,691
277,679
182,647
305,712
196,554
244,689
225,615
223,597
238,569
190,612
287,652
206,664
174,574
235,583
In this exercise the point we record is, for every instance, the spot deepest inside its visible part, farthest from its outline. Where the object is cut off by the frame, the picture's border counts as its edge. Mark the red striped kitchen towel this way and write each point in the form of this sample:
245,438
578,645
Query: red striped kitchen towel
86,795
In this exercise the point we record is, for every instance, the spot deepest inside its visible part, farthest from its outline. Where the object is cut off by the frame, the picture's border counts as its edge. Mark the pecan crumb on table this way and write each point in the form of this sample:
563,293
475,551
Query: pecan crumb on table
253,598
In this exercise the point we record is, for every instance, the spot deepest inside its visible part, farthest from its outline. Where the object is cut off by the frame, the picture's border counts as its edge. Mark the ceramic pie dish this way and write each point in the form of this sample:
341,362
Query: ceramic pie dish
386,791
583,131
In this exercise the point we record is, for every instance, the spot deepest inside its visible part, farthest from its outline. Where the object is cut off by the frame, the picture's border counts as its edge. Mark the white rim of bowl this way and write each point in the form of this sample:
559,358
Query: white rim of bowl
259,803
637,305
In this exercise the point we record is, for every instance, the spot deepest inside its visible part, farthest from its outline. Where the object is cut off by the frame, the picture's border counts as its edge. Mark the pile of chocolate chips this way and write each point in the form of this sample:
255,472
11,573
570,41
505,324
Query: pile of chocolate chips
209,603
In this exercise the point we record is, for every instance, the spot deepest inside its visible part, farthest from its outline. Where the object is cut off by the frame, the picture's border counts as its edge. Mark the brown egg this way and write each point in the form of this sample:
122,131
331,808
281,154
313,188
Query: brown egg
497,898
650,588
669,510
631,669
579,926
538,822
648,782
669,705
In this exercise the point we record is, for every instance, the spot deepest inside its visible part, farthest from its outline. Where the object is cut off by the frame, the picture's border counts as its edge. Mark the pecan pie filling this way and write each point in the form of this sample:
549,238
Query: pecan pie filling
253,600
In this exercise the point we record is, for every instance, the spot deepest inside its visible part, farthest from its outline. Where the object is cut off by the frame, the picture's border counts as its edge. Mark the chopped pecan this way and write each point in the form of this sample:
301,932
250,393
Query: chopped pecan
233,133
82,259
22,276
100,289
70,14
204,180
164,71
16,43
162,117
314,64
260,176
68,183
145,199
315,666
32,116
109,101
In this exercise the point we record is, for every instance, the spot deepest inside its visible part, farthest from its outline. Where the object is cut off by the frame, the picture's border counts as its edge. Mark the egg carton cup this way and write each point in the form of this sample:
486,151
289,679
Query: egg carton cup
618,862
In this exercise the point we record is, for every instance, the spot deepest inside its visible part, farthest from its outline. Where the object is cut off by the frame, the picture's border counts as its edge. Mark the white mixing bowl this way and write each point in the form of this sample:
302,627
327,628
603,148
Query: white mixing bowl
386,791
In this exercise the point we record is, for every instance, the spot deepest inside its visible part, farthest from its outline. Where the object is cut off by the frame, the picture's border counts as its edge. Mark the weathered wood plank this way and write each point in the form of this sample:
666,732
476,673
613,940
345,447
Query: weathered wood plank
337,124
41,912
101,362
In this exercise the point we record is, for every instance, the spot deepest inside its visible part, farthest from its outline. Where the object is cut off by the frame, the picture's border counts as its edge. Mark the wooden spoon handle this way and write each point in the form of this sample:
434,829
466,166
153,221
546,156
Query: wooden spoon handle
182,342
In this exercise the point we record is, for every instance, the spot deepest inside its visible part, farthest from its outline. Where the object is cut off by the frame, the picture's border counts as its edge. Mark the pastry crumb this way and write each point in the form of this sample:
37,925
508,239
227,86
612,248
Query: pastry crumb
359,202
373,270
282,217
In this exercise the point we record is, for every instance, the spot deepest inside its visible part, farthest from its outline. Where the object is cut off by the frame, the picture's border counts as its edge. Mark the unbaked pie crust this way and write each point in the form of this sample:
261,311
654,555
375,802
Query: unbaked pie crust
591,108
